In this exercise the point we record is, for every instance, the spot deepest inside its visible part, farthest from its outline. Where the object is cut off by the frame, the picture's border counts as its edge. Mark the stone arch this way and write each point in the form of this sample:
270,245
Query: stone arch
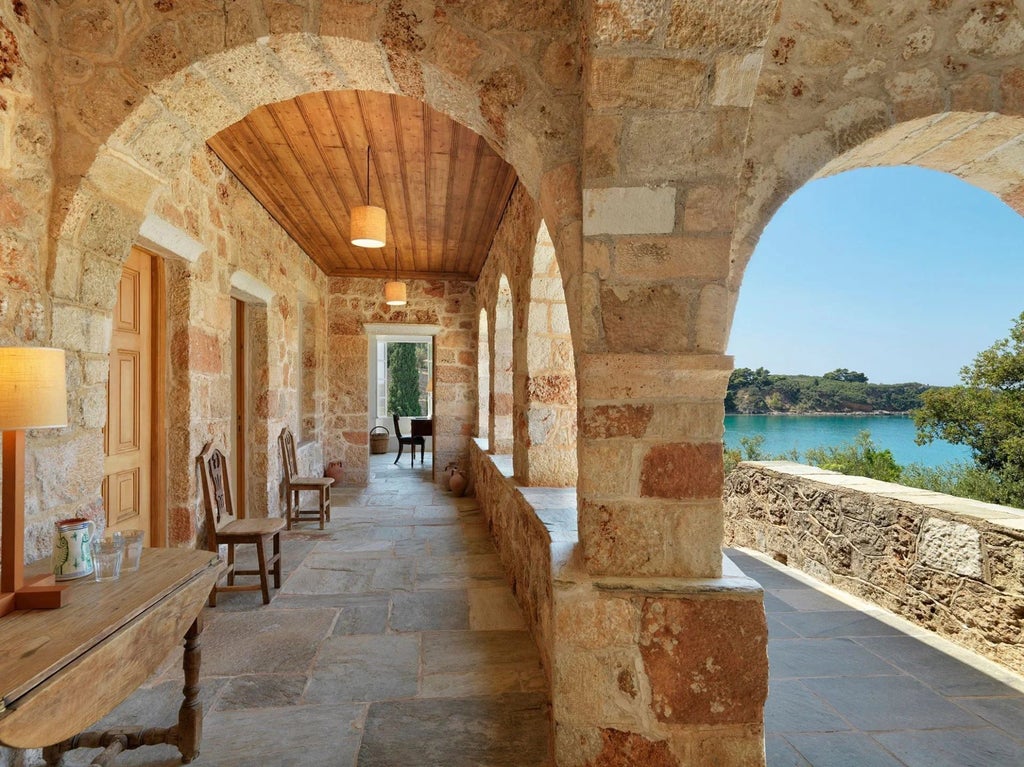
116,164
919,85
181,110
548,441
501,398
483,376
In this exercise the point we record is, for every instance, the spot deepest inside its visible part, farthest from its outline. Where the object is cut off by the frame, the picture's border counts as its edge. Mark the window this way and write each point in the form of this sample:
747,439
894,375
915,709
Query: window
404,382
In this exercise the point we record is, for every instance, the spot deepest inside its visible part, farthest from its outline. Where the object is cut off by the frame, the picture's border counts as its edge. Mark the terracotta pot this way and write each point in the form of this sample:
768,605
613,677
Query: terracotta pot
457,483
335,471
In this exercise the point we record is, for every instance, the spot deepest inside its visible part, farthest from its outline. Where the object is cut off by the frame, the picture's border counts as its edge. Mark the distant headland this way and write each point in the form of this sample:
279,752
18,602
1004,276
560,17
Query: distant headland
839,391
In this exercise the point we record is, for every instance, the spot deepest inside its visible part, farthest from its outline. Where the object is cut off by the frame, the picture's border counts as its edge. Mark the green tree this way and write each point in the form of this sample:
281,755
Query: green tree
842,374
986,413
403,380
861,459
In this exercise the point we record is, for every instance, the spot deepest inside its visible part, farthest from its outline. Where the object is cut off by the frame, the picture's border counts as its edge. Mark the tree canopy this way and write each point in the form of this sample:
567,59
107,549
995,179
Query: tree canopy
986,413
404,379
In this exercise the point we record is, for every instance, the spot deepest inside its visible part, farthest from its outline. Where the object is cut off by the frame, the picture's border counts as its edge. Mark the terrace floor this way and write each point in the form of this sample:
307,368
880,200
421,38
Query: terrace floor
395,641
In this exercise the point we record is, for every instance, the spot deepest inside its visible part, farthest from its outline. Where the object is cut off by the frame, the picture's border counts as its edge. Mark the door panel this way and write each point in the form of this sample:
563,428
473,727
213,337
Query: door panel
128,463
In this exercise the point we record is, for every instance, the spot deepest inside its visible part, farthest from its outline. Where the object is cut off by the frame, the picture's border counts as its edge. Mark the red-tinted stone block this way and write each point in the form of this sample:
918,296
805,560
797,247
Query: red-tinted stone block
606,421
682,471
706,660
619,748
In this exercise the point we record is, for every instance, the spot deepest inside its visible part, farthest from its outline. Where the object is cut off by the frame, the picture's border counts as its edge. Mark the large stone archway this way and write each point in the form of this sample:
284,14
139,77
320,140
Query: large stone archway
520,107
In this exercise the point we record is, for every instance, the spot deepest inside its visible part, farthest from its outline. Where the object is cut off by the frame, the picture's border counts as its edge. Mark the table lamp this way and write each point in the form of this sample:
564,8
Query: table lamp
33,395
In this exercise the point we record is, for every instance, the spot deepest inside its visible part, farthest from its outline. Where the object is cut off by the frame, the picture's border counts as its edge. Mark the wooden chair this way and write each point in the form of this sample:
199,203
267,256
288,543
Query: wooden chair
294,484
223,527
412,442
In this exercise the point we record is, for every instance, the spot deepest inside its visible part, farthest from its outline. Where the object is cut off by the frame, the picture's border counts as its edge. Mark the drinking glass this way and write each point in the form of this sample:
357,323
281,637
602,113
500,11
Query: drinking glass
132,549
106,557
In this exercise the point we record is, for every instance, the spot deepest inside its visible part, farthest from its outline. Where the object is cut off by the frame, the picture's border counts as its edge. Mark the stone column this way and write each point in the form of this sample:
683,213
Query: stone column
667,662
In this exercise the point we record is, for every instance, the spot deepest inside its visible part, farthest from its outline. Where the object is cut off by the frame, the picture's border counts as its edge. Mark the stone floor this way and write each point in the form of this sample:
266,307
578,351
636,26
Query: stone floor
851,685
395,641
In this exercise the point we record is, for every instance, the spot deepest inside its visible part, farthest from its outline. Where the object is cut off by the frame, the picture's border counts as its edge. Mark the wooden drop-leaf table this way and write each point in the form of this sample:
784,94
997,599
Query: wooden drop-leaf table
63,670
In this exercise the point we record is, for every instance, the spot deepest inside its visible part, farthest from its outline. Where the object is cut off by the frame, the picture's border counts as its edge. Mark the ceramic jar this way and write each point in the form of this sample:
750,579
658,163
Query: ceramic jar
72,552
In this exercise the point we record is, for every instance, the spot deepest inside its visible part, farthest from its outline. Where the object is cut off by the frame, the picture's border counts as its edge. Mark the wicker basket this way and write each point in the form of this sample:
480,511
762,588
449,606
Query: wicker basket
379,436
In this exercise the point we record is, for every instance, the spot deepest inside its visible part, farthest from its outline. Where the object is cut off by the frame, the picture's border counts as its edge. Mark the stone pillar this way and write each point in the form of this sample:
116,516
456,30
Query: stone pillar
500,437
650,453
678,654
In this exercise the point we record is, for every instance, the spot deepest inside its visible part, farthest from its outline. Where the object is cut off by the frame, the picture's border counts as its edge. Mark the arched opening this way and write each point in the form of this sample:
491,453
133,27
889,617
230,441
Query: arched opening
483,377
501,399
550,390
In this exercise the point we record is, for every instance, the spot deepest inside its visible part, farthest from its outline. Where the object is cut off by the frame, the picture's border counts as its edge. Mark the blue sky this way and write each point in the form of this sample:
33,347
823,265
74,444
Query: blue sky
901,273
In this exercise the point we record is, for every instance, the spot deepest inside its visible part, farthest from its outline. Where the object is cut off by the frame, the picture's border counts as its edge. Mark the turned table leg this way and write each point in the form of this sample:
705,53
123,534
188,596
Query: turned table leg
190,715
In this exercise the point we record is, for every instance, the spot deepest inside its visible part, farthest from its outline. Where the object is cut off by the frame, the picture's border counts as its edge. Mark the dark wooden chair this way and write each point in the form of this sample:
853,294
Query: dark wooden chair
294,484
223,527
412,442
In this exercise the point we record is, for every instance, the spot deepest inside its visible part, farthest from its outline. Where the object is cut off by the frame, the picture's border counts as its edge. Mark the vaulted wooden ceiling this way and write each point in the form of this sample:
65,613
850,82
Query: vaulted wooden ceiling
443,187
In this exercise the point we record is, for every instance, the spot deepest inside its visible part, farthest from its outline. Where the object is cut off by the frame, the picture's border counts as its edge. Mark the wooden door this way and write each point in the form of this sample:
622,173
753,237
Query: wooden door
128,464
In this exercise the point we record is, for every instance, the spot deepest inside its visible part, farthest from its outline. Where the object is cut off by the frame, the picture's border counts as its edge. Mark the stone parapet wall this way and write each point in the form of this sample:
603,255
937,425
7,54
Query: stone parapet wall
653,671
951,565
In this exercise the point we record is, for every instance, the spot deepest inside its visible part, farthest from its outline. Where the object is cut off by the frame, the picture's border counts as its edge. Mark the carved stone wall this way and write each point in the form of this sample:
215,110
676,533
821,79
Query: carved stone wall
948,564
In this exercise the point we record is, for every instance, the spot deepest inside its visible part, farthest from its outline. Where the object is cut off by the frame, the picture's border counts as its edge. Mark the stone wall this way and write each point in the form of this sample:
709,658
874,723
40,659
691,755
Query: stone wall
951,565
240,237
352,303
660,671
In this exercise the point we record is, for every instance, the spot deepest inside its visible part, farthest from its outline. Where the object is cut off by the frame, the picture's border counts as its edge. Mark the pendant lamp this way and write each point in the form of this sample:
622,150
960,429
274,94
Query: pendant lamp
394,290
369,223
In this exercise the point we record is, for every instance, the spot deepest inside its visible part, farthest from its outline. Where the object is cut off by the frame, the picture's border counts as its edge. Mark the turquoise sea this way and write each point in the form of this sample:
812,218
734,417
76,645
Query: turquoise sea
783,433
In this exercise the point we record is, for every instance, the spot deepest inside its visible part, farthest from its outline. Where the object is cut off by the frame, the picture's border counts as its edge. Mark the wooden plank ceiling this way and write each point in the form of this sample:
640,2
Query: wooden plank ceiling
443,187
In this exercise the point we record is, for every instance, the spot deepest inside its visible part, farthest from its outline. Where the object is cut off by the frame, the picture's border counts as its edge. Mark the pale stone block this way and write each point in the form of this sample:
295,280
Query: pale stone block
537,319
736,79
666,258
671,377
945,545
122,181
77,328
195,100
714,318
594,621
646,83
559,319
652,537
608,468
991,30
603,688
629,210
304,59
250,75
701,144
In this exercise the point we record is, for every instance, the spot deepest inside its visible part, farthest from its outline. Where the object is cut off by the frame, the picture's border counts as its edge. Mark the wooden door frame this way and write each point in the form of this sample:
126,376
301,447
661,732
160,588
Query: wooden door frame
240,383
158,405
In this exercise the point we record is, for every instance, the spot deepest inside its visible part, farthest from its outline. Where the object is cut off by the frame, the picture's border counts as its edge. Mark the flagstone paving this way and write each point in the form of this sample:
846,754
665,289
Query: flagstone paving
851,685
395,642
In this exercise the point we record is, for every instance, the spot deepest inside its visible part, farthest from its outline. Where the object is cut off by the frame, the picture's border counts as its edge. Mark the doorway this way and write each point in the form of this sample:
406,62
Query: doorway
134,475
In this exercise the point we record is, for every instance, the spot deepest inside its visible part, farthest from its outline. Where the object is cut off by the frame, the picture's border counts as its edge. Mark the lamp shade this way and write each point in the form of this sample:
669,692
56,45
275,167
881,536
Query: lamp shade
394,293
33,392
369,226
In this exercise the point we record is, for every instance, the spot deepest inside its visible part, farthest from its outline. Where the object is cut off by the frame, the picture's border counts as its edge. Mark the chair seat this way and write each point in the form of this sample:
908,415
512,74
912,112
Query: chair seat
248,527
312,482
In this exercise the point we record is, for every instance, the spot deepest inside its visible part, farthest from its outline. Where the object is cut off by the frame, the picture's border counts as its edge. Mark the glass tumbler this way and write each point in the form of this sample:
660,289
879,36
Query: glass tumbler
106,557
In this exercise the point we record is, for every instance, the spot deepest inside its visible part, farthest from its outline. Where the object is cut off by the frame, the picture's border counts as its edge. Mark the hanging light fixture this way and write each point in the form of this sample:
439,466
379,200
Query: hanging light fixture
369,223
394,290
